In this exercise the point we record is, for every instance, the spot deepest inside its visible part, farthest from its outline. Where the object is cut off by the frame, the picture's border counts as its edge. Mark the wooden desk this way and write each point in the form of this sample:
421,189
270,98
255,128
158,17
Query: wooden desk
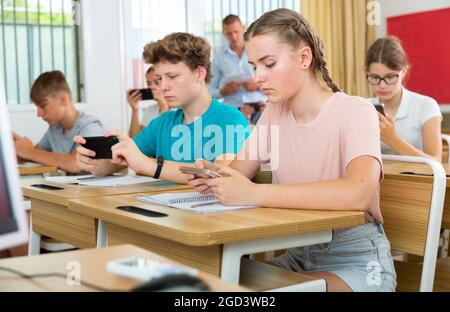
392,169
213,243
51,217
36,169
93,271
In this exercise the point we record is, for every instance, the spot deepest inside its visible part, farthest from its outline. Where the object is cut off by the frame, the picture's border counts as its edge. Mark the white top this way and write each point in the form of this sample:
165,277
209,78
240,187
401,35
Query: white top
149,111
415,110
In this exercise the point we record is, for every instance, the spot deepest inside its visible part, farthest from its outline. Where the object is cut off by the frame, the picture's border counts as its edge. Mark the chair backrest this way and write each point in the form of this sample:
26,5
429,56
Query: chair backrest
412,209
445,149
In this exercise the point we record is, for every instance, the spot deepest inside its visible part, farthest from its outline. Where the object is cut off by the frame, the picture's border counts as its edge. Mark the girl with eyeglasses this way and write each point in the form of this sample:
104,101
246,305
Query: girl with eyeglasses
412,122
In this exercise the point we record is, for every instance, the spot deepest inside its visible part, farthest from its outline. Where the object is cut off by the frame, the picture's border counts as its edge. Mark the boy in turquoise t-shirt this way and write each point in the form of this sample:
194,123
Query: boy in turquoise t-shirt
201,127
205,138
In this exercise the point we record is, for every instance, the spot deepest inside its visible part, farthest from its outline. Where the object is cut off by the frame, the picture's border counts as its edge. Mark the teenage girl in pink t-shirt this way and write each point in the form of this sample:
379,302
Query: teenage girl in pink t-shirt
324,150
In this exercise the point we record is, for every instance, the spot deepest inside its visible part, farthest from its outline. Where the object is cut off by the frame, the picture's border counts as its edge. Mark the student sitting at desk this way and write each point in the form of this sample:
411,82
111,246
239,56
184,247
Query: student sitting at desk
324,150
412,125
149,112
201,127
53,98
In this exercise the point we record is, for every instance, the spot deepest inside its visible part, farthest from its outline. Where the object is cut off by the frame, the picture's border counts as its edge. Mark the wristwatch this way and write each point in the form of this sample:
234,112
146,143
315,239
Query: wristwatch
159,165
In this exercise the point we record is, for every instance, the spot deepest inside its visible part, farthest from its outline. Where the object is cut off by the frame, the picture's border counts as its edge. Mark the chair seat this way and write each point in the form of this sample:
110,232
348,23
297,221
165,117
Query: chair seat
53,245
409,272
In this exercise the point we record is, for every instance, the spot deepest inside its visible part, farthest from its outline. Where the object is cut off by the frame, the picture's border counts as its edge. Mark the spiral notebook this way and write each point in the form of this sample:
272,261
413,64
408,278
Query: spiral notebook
192,201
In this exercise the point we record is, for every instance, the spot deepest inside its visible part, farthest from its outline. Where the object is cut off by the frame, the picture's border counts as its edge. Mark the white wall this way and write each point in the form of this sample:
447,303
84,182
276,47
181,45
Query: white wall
104,70
400,7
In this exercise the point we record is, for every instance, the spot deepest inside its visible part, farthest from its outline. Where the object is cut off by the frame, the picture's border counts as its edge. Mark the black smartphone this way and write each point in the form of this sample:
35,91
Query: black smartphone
101,146
144,212
146,94
380,108
200,173
47,187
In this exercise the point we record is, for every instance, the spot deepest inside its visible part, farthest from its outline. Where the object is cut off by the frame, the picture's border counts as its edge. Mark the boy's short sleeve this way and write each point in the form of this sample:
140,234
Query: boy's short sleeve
92,129
44,143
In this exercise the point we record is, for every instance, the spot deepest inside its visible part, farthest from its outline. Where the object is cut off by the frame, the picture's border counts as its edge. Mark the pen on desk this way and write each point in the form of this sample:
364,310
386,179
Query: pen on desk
205,204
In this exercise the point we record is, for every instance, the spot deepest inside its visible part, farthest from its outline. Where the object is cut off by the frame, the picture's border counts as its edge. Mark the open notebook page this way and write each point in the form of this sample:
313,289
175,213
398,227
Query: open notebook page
191,201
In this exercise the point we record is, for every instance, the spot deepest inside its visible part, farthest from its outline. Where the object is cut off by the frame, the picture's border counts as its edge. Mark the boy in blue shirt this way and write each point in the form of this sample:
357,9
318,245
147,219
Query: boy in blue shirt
201,127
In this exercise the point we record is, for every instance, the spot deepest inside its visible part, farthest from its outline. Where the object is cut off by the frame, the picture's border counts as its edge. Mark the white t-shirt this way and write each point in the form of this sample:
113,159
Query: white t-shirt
149,110
414,110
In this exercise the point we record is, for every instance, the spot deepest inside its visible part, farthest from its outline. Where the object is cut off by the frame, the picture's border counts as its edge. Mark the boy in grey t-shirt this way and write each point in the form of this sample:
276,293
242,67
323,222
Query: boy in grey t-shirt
51,94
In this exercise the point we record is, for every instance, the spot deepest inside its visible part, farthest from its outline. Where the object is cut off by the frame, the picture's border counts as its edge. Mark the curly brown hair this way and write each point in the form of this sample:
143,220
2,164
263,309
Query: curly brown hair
180,47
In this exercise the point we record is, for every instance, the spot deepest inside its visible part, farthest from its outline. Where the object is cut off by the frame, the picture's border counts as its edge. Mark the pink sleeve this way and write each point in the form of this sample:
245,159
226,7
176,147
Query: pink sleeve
361,135
257,145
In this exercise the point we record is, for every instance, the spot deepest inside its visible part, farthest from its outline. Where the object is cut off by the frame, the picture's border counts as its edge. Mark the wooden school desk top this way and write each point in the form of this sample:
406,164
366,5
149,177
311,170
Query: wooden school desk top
92,263
211,229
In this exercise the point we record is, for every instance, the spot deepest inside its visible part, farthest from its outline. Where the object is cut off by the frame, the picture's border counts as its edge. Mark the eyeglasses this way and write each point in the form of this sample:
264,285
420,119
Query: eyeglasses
389,79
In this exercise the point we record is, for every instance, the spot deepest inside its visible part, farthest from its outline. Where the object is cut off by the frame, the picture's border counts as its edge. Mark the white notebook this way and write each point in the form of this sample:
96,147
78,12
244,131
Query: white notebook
111,181
29,165
192,201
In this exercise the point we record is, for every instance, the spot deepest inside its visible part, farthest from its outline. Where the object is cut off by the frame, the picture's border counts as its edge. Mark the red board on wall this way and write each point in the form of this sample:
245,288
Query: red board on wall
426,39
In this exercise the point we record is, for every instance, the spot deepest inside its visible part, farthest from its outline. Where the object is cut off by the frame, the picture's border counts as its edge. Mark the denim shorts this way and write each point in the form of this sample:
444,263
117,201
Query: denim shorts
360,256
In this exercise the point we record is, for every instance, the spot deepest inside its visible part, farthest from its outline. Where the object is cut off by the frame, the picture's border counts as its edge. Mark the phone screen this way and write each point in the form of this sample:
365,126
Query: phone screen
146,94
101,146
47,187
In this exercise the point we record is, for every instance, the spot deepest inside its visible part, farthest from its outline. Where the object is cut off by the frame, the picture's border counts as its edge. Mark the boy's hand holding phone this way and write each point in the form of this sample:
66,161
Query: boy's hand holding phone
85,156
91,150
120,150
101,145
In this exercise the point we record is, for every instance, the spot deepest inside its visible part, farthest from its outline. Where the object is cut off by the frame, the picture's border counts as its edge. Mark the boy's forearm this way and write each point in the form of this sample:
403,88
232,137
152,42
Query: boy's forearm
169,171
66,162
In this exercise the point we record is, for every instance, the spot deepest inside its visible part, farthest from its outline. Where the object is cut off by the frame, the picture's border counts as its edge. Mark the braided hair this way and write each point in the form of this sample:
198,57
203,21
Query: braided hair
293,29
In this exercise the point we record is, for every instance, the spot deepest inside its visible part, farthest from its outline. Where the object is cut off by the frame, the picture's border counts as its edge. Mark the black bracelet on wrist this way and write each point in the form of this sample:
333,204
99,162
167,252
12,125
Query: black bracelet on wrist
159,165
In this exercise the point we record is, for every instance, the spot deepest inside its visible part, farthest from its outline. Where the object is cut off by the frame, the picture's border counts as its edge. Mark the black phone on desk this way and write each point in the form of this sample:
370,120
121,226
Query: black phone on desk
47,187
146,94
101,145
